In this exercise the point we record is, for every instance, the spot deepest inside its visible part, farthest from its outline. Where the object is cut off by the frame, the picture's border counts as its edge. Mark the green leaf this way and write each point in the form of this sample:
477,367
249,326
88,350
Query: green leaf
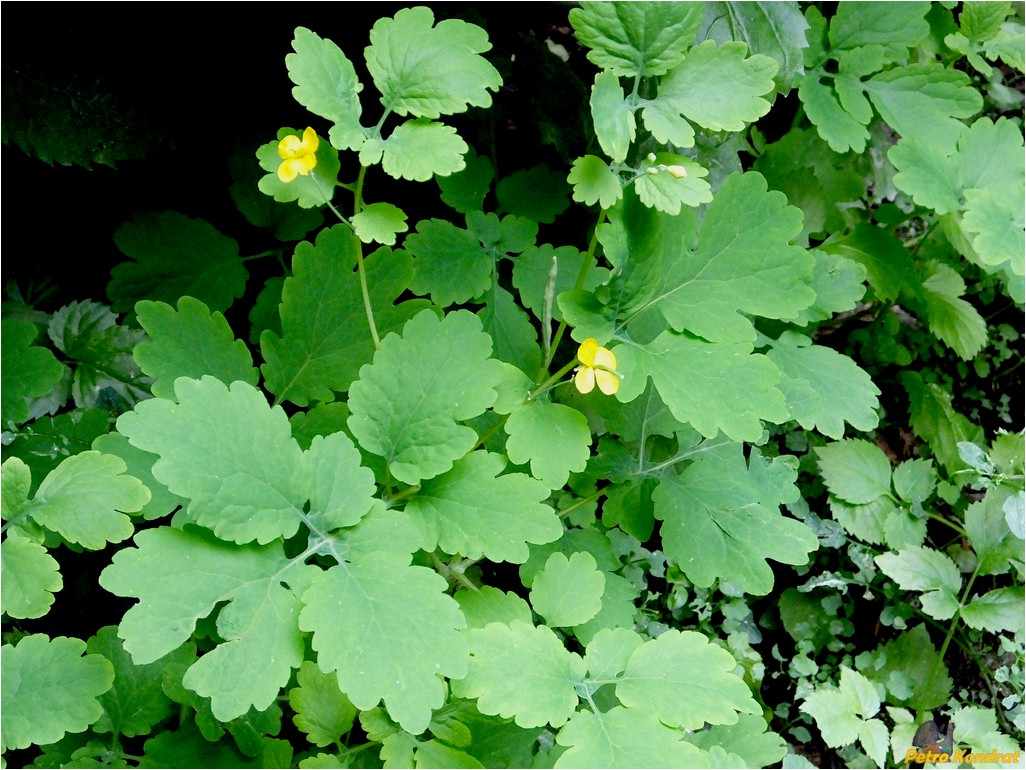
838,127
935,420
924,101
171,256
531,275
915,480
537,193
594,182
521,671
381,596
686,680
490,605
30,371
323,712
953,320
898,26
514,336
84,498
773,29
30,576
913,656
666,193
465,190
844,714
426,70
468,511
379,223
568,592
997,219
748,738
996,546
555,439
742,264
50,689
407,402
136,703
636,38
618,608
140,465
608,652
325,338
326,84
666,125
924,569
189,342
997,610
242,473
625,737
420,149
721,518
612,116
727,387
88,333
855,470
718,87
341,490
451,264
824,389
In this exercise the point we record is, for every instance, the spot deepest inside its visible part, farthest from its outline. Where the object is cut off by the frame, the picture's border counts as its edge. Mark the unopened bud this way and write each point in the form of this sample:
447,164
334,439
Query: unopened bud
652,170
677,172
651,157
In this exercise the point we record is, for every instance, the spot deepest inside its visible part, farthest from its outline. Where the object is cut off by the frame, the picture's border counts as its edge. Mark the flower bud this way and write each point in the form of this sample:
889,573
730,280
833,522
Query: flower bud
677,172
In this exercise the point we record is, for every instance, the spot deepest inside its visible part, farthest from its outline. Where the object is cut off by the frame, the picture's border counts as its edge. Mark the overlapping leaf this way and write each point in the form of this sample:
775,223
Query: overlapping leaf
721,518
30,577
325,338
406,404
30,371
554,438
468,511
622,737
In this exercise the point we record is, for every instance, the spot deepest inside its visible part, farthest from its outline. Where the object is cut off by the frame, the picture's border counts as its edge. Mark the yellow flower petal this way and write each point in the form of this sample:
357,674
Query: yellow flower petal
288,171
608,382
310,140
290,146
586,353
604,358
585,379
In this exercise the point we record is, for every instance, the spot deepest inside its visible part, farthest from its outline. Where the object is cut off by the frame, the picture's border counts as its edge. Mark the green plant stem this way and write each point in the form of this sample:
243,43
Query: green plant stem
582,502
951,632
586,265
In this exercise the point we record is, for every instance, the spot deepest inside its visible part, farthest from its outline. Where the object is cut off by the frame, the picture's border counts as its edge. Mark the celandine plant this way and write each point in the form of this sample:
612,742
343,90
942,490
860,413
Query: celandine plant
691,487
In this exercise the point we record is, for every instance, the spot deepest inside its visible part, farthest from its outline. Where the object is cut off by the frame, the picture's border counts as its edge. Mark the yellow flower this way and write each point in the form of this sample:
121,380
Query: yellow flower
598,365
298,155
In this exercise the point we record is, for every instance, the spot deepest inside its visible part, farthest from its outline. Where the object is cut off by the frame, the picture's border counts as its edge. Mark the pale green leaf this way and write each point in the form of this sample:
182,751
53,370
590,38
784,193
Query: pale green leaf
899,26
627,738
420,149
636,38
997,610
428,70
243,473
326,84
407,402
824,389
991,155
924,101
341,491
325,338
468,511
323,712
721,518
855,470
612,116
665,192
927,570
140,465
686,680
719,87
997,218
915,480
568,592
839,284
841,712
171,256
608,652
914,656
926,173
594,182
30,371
521,671
554,438
86,499
618,608
189,342
50,689
994,543
667,125
379,223
867,521
742,265
953,320
30,577
381,597
838,127
490,605
982,20
511,330
727,387
451,264
748,739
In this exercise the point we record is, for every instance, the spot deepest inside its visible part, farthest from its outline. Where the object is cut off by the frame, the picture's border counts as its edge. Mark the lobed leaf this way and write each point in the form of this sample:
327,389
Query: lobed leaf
625,737
30,371
30,577
554,438
568,592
